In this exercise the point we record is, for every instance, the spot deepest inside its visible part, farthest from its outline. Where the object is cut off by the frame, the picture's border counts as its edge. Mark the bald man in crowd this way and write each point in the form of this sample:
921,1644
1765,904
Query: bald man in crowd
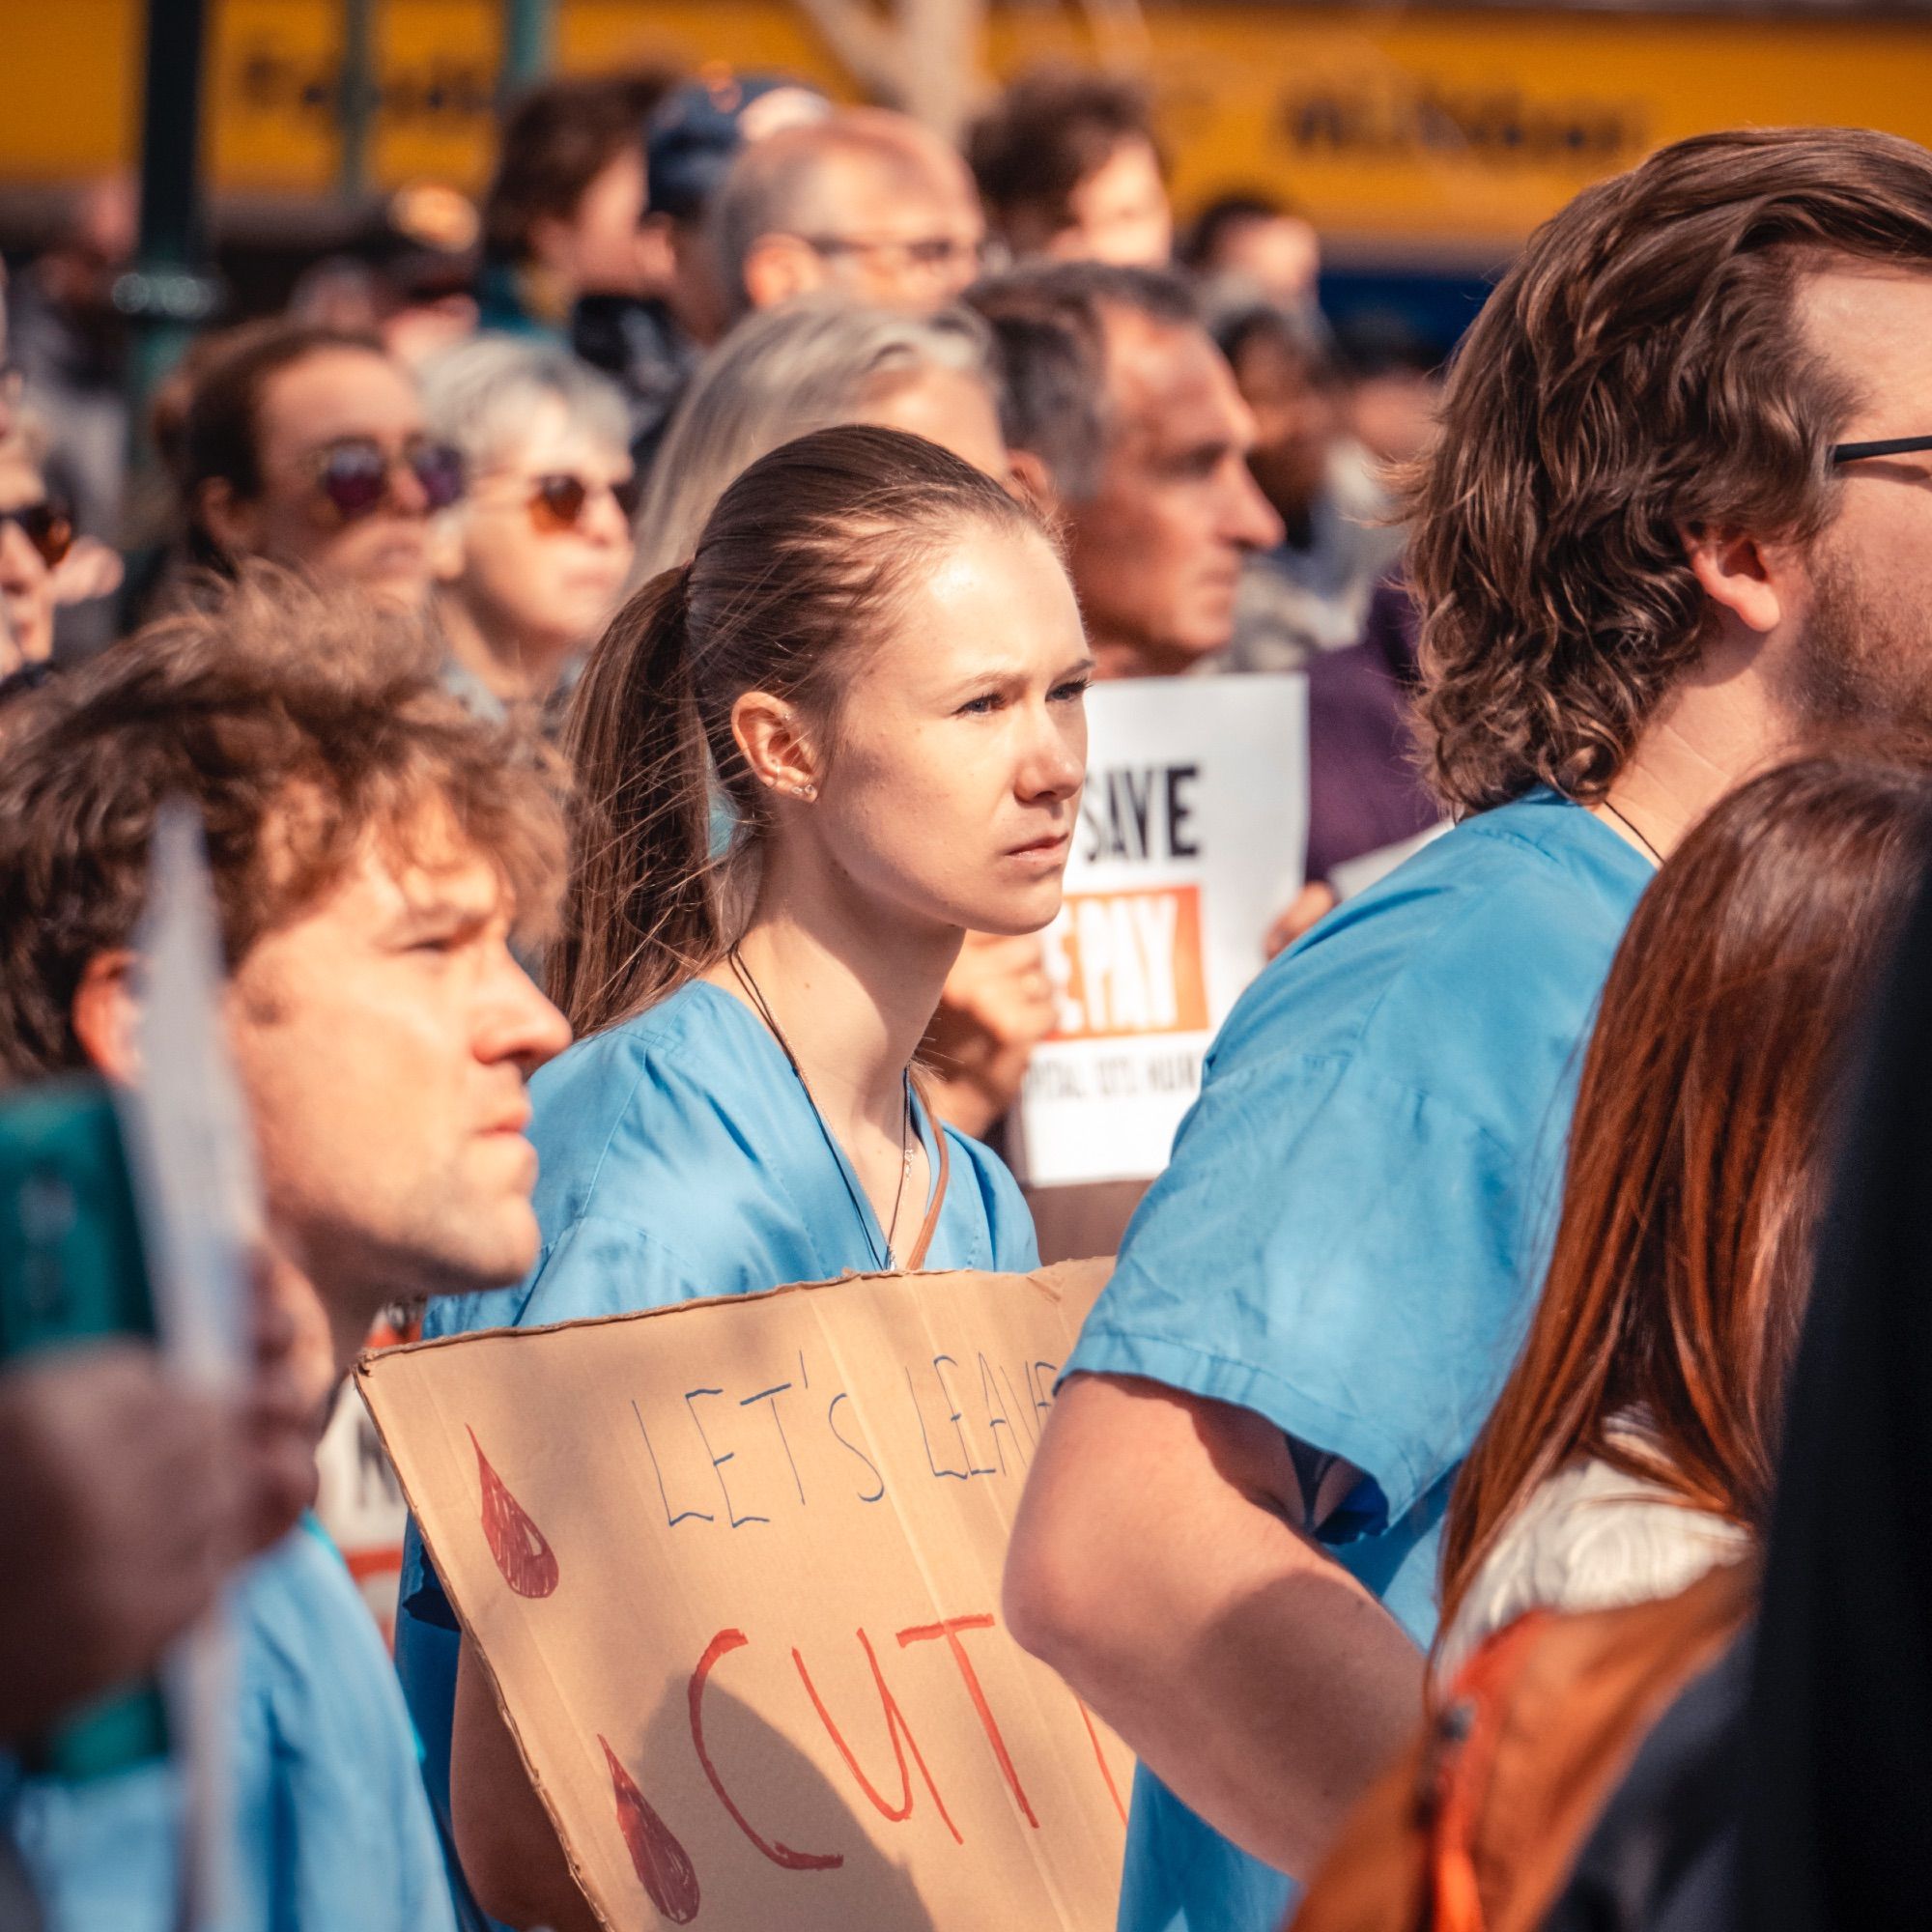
865,202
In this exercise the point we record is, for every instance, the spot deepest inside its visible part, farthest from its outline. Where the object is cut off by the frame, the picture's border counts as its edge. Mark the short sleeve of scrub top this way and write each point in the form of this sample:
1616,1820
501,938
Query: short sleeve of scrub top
332,1824
679,1157
1354,1225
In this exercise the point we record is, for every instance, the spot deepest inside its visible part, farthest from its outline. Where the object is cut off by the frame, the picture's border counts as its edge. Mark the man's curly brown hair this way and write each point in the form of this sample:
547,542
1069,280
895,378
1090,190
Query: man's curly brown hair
301,723
1638,373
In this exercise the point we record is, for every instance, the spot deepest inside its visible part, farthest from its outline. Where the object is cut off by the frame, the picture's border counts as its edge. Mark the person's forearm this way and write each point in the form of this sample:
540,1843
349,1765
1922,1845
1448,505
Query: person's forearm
1269,1711
1151,1567
508,1849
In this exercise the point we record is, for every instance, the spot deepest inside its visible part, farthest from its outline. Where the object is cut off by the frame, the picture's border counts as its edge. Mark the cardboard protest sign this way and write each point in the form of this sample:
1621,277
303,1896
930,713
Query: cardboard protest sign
734,1570
1193,834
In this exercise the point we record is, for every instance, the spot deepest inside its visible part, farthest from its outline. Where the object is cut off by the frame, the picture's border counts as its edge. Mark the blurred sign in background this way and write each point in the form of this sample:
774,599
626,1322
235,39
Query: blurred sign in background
1432,132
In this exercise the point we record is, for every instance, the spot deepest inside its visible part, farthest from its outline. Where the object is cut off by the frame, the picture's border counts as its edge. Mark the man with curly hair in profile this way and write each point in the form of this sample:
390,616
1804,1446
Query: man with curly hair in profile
372,848
1676,527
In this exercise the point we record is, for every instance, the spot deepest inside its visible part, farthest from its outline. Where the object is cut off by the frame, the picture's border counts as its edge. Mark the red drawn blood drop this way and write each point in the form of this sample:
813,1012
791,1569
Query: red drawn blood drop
663,1865
527,1562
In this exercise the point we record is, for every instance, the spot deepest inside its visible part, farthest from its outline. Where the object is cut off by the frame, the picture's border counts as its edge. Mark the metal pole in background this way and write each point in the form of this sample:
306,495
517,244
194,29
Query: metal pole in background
356,98
527,44
171,290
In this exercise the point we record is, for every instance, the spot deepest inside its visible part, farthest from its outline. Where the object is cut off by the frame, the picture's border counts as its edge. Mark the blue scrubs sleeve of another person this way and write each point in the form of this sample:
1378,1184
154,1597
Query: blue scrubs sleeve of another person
1356,1217
680,1157
332,1824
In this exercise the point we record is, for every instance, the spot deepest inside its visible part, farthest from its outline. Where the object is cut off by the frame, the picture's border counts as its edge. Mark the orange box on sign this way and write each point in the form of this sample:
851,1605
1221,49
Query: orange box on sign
1129,963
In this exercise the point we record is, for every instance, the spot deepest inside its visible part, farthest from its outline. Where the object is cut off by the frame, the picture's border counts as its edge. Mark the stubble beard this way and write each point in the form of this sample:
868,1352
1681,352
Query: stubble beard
1865,659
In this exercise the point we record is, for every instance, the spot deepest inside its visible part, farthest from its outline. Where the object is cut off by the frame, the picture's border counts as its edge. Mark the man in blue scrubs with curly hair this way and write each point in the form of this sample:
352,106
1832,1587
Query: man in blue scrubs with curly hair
1673,530
373,849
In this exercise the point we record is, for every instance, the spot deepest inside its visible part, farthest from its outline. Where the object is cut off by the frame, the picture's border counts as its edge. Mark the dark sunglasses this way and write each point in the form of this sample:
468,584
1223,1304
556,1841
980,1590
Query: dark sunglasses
47,526
559,503
353,475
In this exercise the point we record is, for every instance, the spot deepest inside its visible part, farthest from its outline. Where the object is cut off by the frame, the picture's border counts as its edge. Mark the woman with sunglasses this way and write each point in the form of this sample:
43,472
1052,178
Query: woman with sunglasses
310,446
35,535
532,565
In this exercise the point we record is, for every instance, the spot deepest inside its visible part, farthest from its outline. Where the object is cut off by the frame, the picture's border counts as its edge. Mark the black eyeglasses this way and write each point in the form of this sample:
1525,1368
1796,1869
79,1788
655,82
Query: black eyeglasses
1891,445
932,252
354,475
47,526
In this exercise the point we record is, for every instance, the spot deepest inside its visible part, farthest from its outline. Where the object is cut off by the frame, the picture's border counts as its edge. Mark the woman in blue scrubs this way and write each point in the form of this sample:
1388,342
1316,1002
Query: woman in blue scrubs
876,654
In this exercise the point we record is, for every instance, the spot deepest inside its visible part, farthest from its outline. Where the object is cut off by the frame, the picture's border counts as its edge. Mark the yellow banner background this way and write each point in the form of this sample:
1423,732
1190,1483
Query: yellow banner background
1445,126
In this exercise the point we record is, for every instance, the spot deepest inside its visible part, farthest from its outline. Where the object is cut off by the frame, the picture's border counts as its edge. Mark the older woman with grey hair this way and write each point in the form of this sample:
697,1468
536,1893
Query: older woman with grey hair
532,564
813,363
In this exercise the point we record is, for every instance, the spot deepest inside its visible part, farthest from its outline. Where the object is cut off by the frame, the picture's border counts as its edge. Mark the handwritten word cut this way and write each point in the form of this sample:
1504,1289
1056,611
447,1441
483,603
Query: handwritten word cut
665,1867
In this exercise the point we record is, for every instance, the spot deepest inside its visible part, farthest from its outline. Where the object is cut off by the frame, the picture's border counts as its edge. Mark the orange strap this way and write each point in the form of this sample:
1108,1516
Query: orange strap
1461,1749
916,1258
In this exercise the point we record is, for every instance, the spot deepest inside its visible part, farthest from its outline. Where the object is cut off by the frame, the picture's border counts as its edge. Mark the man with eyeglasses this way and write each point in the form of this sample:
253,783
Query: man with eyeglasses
308,446
865,203
1675,528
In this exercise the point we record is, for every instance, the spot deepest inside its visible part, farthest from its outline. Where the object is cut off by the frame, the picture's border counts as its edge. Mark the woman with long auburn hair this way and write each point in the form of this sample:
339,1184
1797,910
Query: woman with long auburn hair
874,667
1634,1442
1574,1763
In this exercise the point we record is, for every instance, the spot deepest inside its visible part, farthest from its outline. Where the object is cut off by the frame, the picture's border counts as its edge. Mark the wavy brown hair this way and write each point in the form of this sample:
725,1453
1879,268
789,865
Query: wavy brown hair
1700,1152
304,723
1639,373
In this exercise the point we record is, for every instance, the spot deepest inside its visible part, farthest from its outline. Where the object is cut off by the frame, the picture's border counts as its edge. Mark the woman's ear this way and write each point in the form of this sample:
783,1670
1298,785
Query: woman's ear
107,1017
1032,482
230,520
770,736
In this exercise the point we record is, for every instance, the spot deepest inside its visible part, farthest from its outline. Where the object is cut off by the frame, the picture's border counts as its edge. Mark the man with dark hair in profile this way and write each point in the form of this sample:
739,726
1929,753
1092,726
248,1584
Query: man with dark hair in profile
1673,528
1069,167
1310,592
572,248
372,848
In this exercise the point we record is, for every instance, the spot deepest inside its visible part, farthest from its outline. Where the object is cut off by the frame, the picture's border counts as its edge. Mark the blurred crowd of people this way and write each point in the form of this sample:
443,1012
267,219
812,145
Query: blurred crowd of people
678,579
510,414
635,223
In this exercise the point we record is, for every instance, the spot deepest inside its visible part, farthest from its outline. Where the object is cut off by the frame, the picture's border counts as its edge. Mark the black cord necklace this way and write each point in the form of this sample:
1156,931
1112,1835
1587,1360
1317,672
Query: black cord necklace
762,1006
1633,831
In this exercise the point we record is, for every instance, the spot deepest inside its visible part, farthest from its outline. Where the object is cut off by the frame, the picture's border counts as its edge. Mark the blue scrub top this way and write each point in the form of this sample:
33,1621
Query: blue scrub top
333,1827
1356,1219
681,1158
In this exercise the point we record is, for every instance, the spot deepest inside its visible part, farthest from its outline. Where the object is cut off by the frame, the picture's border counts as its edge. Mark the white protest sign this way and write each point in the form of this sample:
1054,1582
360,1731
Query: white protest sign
1193,834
